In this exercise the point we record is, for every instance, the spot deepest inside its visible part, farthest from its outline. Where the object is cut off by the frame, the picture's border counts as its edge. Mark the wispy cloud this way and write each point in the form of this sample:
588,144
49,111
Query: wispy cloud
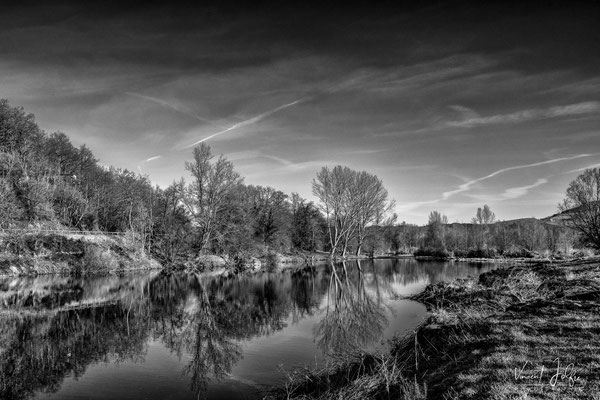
172,106
529,115
597,165
249,121
254,154
467,185
510,193
409,206
515,192
152,158
467,113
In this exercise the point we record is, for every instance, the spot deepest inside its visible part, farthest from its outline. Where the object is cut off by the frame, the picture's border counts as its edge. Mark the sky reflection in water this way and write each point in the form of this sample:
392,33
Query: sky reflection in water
180,336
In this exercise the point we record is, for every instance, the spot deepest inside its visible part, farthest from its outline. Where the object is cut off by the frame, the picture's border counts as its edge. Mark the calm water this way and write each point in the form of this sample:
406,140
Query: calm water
185,336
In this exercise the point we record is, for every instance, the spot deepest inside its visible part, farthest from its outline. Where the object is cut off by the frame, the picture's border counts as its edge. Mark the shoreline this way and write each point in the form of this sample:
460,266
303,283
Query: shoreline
35,254
490,337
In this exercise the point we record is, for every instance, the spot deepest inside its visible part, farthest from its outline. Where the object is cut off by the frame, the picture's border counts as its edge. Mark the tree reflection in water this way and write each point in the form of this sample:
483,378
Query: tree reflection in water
354,317
113,319
54,327
212,351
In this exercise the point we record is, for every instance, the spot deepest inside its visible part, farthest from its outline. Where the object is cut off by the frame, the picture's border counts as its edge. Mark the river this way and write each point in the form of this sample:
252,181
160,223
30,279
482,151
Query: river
185,336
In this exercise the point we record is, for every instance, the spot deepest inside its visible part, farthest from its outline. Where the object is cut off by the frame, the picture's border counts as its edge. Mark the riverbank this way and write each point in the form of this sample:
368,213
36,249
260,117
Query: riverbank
517,332
49,253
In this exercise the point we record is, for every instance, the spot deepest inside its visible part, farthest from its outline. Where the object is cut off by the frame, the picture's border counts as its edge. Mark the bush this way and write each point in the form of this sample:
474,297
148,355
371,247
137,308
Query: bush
96,259
517,252
458,253
481,253
431,252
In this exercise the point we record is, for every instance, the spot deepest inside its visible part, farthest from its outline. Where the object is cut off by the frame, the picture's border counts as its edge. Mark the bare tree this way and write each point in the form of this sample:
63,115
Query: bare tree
351,201
207,193
372,204
481,222
582,206
332,187
435,236
484,216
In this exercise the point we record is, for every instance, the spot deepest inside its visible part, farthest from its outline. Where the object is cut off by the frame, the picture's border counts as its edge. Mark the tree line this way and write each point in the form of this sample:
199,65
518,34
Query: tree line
46,180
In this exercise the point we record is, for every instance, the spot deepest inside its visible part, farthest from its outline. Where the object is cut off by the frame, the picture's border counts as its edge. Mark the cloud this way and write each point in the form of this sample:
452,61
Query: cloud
152,158
176,107
515,192
510,193
409,206
597,165
529,115
467,113
467,186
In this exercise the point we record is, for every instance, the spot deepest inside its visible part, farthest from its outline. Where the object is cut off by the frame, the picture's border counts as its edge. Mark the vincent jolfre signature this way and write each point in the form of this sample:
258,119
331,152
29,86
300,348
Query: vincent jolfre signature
563,374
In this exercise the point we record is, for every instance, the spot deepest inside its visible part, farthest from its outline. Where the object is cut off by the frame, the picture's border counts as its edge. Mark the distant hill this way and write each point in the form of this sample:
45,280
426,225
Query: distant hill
558,218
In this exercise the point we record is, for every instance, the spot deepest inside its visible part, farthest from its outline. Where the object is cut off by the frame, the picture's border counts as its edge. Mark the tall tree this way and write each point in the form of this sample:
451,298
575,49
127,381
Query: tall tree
61,154
19,133
582,206
435,235
371,202
207,193
271,214
351,201
171,222
483,218
308,225
332,188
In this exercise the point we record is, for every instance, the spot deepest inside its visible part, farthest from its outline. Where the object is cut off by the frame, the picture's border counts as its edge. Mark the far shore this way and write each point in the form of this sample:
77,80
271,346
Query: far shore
33,254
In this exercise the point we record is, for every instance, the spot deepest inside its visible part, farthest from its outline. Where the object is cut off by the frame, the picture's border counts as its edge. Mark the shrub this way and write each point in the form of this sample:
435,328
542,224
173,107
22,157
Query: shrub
517,252
431,252
458,253
96,259
481,253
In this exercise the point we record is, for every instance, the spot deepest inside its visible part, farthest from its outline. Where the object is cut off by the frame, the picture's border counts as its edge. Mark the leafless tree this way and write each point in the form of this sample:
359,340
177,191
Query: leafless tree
435,236
207,193
481,222
332,188
582,206
351,201
372,204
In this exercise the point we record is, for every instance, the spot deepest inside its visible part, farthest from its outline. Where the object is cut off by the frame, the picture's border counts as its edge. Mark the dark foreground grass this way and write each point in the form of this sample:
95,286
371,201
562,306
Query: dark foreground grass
525,332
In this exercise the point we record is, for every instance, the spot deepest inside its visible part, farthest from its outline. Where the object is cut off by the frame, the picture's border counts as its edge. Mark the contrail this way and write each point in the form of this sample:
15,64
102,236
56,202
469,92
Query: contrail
152,158
171,106
530,114
466,186
250,121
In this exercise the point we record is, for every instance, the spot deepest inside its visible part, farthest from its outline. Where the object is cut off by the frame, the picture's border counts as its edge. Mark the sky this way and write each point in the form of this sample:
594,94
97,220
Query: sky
452,104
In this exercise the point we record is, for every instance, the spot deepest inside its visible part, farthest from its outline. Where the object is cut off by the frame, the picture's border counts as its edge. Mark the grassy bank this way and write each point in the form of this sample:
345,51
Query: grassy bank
43,253
515,333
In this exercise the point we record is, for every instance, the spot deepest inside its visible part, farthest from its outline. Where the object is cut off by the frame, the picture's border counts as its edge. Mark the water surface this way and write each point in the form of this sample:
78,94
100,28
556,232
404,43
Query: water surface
187,336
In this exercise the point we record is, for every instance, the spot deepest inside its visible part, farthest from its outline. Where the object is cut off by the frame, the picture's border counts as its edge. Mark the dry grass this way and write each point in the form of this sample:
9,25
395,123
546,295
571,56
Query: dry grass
352,378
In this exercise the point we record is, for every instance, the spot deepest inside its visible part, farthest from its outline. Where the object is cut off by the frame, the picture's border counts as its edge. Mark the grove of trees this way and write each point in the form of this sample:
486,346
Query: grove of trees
351,201
47,181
